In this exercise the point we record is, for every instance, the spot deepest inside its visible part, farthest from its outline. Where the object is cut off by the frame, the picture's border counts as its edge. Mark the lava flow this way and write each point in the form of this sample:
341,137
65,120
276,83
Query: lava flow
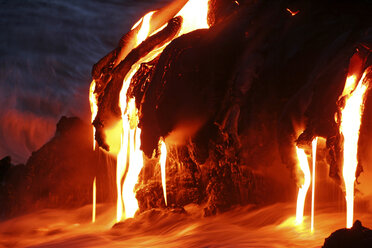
163,161
304,166
351,114
93,108
129,156
309,178
314,146
94,200
353,97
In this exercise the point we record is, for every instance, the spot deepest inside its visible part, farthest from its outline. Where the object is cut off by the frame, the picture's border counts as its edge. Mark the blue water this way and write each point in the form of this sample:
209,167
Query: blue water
47,49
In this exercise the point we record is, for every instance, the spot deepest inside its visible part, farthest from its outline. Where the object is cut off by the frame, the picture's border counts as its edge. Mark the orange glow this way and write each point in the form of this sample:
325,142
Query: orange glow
304,166
123,137
129,146
293,13
134,168
120,170
127,204
350,85
351,115
130,160
145,28
94,201
132,148
266,226
314,146
93,107
112,135
195,14
163,161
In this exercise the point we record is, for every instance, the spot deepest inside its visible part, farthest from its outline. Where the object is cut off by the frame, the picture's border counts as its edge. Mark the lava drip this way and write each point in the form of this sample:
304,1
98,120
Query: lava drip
163,160
304,166
353,98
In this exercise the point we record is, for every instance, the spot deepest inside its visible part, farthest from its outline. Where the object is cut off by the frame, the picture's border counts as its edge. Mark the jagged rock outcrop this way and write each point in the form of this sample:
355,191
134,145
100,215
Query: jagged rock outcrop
241,93
357,236
58,175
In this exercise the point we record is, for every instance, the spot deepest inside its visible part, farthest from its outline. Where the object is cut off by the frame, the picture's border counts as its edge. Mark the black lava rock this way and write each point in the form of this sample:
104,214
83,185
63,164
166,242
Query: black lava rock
357,236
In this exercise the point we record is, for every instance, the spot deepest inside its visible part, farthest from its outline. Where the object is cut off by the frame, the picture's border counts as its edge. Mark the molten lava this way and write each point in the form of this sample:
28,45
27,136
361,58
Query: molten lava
93,108
163,161
145,28
308,178
94,201
304,166
124,137
293,13
314,146
351,114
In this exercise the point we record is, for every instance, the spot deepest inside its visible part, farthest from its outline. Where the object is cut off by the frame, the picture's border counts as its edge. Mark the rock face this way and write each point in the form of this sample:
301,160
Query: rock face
59,174
242,94
251,84
357,236
12,187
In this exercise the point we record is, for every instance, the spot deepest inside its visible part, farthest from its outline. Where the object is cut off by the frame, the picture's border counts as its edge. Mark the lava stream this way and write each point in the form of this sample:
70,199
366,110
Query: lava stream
304,166
93,108
130,160
351,115
163,161
94,200
314,146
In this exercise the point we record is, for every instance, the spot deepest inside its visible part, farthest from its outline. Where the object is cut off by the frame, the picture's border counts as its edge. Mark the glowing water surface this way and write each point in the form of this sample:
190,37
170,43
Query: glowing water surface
271,226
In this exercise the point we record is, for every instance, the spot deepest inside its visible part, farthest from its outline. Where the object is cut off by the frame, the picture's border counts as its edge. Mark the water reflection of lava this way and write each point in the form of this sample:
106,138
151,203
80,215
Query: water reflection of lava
271,226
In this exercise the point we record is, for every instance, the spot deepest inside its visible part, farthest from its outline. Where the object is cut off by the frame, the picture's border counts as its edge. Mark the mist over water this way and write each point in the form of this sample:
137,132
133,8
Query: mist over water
47,50
271,226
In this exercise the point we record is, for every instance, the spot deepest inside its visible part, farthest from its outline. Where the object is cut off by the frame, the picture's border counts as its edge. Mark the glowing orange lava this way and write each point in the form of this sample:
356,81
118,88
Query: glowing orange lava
351,114
304,166
93,107
94,200
163,160
129,156
314,146
293,13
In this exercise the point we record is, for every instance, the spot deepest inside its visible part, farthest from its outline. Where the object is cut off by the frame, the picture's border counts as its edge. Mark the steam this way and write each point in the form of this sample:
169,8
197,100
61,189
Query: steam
183,131
241,227
21,133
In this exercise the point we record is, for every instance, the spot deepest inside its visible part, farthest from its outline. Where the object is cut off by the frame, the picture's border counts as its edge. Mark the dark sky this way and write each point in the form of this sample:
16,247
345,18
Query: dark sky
47,49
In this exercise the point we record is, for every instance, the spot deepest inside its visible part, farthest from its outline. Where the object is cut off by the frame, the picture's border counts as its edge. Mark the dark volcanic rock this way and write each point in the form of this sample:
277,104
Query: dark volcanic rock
13,182
357,236
59,174
5,165
62,171
233,99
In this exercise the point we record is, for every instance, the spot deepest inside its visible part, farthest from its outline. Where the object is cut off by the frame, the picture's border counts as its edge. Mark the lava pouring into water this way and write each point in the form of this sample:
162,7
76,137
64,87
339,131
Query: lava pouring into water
129,155
304,166
314,146
351,114
94,200
163,161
